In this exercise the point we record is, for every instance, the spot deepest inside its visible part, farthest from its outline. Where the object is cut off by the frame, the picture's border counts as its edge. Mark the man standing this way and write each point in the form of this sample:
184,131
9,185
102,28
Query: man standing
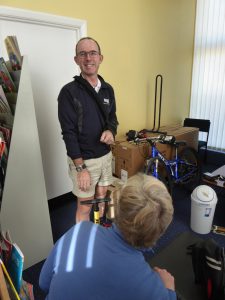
87,115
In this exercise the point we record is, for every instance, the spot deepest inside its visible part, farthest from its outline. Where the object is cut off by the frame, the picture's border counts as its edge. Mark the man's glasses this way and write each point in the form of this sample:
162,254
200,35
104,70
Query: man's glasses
92,53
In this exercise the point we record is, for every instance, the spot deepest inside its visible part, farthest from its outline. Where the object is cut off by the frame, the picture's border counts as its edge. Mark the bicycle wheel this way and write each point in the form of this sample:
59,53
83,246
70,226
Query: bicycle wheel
189,168
157,168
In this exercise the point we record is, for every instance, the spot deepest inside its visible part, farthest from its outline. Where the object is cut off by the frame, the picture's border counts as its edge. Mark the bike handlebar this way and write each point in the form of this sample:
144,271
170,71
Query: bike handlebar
162,138
95,201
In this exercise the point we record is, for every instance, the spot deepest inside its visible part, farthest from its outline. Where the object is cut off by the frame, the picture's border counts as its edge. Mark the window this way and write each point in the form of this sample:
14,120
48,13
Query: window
208,77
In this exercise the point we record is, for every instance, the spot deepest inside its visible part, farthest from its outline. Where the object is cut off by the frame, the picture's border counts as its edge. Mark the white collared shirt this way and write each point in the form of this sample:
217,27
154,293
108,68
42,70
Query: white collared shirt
98,86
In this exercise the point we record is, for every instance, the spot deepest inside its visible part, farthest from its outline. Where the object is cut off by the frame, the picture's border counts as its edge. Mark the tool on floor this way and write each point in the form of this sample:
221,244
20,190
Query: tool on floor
104,221
218,229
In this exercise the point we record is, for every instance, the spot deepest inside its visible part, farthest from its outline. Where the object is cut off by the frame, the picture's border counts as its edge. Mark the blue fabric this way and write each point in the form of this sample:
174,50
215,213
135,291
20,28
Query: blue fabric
93,262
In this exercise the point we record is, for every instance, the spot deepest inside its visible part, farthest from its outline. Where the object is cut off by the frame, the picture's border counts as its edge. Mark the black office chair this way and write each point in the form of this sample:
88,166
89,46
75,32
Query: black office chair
203,126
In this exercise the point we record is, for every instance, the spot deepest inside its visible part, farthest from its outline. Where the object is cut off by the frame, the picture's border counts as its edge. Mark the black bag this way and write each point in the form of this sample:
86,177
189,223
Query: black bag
209,268
132,135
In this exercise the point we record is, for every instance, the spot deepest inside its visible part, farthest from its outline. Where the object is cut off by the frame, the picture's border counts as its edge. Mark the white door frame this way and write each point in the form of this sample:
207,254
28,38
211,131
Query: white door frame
52,146
32,17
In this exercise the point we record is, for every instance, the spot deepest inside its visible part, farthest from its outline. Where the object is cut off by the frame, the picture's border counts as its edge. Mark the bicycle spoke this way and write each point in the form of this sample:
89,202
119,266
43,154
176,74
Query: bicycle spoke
189,170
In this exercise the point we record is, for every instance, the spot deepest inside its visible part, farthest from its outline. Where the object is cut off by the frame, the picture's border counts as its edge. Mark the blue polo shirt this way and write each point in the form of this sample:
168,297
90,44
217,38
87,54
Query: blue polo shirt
93,262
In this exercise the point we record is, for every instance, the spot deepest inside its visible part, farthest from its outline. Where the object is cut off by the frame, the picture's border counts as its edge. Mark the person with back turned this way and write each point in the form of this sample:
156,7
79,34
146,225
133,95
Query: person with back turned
91,262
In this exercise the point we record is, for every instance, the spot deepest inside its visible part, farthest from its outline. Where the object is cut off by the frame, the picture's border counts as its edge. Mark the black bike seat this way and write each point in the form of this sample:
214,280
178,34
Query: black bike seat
180,143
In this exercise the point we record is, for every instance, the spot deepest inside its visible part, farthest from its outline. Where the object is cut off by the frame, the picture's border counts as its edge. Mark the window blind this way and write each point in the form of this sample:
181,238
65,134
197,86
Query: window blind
208,75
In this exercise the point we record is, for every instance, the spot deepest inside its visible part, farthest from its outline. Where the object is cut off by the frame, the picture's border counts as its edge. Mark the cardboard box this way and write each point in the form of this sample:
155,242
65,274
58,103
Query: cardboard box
114,148
130,157
187,134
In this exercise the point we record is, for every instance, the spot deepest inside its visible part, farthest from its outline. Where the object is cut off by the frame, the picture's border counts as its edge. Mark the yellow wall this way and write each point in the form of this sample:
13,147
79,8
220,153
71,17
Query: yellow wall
171,47
139,39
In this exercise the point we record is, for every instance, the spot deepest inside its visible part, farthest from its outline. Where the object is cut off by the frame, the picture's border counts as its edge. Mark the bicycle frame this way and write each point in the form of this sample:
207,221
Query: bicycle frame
172,165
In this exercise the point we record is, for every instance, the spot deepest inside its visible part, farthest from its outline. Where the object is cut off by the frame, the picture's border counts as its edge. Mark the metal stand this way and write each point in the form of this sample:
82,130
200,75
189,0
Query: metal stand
155,129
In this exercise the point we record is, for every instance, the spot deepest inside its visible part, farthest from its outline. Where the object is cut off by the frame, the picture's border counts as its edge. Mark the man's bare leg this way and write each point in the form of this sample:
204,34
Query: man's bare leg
100,193
83,211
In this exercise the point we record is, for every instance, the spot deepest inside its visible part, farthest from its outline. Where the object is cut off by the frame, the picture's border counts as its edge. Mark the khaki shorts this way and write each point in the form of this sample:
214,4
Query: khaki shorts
100,170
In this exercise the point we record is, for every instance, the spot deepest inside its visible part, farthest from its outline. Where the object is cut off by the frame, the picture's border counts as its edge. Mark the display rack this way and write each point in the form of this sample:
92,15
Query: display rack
24,208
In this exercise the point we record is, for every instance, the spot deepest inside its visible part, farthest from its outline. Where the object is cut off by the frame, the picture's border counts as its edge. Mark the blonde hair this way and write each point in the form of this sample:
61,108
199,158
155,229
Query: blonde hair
143,210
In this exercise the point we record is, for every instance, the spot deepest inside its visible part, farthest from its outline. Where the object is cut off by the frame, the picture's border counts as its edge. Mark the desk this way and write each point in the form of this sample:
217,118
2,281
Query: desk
217,182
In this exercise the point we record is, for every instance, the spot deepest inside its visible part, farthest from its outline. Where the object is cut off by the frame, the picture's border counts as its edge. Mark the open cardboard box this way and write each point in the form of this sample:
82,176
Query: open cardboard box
130,158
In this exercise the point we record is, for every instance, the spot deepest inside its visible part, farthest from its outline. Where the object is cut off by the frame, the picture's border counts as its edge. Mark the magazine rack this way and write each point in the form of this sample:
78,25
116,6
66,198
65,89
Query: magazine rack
24,209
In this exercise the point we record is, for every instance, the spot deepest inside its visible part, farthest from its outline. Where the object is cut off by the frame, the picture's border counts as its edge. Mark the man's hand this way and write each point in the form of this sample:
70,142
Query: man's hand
107,137
166,277
84,180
